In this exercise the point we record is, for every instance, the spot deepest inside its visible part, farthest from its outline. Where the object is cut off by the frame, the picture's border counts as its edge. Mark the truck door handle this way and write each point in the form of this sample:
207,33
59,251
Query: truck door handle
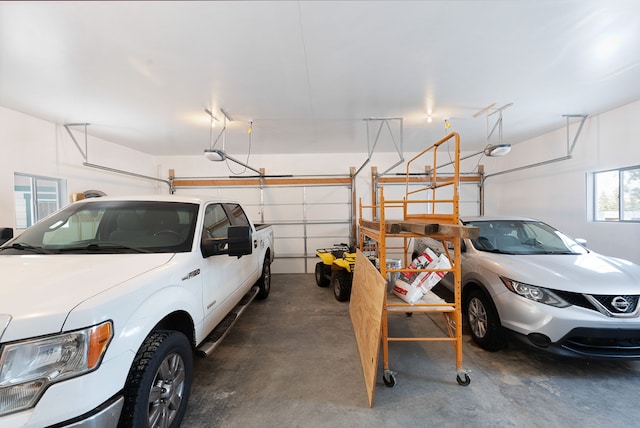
255,243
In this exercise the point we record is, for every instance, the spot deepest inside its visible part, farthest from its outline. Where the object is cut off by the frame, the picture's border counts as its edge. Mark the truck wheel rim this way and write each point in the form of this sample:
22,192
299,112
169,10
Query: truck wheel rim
166,392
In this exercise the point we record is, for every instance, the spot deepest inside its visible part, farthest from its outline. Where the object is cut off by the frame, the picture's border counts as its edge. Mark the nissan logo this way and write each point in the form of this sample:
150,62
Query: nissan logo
620,303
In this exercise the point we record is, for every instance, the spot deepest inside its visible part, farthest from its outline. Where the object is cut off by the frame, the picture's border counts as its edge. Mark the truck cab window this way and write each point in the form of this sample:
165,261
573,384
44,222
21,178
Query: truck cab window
216,222
238,215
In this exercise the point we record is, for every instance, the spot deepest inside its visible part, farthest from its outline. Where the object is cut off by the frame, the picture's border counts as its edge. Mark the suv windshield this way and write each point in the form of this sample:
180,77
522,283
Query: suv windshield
523,237
111,227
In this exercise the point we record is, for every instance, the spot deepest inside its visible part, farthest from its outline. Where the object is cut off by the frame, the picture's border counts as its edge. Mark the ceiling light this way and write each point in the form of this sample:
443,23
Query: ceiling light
497,149
214,155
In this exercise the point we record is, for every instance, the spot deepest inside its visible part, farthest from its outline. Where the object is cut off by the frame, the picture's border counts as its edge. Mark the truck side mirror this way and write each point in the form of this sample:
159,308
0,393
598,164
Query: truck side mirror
240,240
238,243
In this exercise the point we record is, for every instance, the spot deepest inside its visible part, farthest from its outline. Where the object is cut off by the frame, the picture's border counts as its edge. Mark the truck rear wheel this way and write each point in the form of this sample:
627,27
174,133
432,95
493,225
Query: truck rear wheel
159,382
264,283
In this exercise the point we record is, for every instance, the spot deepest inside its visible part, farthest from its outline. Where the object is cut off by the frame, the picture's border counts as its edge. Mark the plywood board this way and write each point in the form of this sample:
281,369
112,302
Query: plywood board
365,308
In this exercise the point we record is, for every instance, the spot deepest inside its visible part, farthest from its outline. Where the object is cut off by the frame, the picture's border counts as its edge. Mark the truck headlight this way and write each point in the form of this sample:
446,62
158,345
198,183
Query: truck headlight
28,367
535,293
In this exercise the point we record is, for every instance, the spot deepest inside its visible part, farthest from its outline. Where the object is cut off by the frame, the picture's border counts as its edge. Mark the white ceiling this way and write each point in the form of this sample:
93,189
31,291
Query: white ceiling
307,73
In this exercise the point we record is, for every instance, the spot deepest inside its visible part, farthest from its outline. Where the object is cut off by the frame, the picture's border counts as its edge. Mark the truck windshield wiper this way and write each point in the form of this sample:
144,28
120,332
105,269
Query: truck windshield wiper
23,246
106,246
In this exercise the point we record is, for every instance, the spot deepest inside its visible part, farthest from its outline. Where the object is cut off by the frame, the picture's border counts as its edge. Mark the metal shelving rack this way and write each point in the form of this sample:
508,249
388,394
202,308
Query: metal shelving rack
440,222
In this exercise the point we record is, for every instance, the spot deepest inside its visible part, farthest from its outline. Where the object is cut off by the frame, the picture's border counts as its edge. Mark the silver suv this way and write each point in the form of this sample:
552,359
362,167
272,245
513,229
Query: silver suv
523,279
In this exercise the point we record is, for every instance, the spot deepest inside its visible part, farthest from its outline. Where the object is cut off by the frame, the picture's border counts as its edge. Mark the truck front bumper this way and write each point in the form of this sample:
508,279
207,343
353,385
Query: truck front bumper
104,416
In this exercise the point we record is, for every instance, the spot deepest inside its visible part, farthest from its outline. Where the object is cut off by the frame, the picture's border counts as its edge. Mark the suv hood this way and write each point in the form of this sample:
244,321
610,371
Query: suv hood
38,291
590,273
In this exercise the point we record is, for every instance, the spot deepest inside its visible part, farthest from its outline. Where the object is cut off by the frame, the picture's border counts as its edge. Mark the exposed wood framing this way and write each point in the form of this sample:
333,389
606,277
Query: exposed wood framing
257,181
421,228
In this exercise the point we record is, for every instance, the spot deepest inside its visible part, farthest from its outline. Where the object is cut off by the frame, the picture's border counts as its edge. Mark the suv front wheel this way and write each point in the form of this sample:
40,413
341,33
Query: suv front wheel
484,322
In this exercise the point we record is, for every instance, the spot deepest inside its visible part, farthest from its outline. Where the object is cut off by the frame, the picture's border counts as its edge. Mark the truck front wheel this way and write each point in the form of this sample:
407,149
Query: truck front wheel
159,382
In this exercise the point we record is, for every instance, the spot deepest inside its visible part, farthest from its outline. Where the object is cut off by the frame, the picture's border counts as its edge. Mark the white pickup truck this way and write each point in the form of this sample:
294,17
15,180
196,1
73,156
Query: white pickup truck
103,304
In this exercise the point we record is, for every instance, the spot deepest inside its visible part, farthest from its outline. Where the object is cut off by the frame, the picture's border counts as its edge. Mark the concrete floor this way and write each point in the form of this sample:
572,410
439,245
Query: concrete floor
292,361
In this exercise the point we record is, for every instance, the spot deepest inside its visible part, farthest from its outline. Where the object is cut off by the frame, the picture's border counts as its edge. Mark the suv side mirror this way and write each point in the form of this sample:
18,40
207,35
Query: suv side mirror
582,242
6,233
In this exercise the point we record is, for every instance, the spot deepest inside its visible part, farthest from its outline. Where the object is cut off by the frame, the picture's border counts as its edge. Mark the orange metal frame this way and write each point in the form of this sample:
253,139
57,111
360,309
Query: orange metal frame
441,211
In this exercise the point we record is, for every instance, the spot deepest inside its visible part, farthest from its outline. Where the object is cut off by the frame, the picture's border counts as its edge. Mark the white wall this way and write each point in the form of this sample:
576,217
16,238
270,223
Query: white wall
560,193
33,146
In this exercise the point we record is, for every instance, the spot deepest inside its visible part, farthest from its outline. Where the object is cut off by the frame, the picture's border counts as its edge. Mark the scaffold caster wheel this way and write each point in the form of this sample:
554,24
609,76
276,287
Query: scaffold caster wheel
463,381
389,378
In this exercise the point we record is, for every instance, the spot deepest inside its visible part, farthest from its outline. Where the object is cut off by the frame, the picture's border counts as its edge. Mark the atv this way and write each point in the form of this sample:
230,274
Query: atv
336,269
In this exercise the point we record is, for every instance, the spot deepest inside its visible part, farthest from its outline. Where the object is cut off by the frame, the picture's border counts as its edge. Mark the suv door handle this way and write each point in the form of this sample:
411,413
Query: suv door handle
255,243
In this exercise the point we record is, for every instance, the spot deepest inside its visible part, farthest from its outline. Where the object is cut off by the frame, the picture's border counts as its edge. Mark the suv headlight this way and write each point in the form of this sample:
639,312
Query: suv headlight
28,367
535,293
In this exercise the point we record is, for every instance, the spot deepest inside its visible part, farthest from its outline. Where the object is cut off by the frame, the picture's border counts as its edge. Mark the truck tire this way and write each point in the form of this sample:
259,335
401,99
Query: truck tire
264,283
341,284
322,279
159,382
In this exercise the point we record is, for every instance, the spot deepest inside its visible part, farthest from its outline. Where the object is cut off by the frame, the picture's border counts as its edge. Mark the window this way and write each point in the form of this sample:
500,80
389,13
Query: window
36,197
216,222
240,218
617,195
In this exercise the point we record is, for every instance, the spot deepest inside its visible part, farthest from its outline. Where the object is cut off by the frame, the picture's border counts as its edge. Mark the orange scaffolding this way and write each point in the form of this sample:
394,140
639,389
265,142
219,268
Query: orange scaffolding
425,213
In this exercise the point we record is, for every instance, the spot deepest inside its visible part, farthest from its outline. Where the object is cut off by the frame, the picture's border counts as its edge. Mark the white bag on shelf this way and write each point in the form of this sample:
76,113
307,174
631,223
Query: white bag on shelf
407,292
419,262
430,279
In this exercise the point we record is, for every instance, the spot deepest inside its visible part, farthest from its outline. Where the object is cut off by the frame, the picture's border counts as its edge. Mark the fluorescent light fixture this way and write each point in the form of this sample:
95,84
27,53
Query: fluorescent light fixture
495,150
215,155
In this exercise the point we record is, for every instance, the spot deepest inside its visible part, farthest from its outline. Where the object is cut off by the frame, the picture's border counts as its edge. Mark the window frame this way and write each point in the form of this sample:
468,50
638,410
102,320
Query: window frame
32,209
621,211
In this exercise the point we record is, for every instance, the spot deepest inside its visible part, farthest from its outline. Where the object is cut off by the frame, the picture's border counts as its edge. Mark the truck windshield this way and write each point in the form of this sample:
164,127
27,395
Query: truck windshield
111,227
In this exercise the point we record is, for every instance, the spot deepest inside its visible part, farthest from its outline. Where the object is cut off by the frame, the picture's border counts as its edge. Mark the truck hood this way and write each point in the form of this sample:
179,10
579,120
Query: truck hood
38,291
590,273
